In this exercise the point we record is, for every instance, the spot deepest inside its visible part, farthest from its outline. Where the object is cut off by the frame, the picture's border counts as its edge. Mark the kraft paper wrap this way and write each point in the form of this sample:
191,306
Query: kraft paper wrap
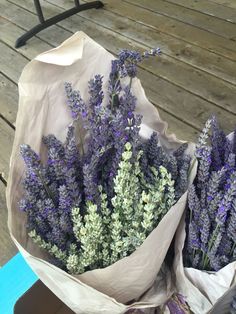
42,111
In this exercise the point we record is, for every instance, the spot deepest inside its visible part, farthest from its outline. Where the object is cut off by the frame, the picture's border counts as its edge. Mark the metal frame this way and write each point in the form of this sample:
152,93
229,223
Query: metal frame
21,41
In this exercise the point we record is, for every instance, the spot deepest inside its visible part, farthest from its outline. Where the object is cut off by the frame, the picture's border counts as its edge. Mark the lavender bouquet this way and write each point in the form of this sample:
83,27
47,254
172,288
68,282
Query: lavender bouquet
91,204
209,253
211,220
96,199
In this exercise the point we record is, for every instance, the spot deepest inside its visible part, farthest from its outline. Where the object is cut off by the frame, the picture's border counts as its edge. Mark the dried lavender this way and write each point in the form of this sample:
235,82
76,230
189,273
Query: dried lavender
211,216
177,163
177,305
92,202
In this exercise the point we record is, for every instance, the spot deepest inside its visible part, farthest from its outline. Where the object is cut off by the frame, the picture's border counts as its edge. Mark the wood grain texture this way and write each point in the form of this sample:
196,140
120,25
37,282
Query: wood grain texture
198,82
8,99
139,27
12,63
7,247
175,124
189,17
209,8
227,3
166,102
177,29
6,141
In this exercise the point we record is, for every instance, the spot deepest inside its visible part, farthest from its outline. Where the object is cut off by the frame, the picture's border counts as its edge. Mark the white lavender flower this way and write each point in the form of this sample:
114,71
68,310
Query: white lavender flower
51,248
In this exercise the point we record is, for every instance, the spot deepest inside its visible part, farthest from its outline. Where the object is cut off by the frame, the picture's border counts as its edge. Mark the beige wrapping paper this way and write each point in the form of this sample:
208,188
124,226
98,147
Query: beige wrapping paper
42,111
205,292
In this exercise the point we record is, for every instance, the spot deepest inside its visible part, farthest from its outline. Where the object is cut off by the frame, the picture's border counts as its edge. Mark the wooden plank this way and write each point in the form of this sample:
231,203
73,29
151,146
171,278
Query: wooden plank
157,22
176,48
12,63
227,3
201,83
198,82
7,247
8,99
209,8
190,17
6,141
26,21
200,58
177,29
182,130
9,32
179,128
188,108
193,116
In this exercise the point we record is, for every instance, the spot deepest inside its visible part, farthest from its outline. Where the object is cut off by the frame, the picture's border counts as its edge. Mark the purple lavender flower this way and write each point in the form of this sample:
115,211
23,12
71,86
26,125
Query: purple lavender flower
226,203
193,203
152,52
177,305
231,228
70,177
193,236
204,165
213,198
182,176
75,102
206,227
95,91
177,163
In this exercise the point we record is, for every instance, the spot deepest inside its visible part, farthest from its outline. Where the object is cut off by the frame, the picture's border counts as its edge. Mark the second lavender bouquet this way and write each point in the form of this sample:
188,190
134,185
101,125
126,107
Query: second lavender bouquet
211,221
205,261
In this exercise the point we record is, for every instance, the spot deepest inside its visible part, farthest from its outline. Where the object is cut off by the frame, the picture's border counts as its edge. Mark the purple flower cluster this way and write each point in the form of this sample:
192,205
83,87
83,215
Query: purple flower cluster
211,218
52,189
177,305
87,163
177,163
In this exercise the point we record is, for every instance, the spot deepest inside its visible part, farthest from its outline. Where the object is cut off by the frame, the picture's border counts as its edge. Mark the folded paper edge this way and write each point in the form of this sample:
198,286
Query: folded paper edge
63,56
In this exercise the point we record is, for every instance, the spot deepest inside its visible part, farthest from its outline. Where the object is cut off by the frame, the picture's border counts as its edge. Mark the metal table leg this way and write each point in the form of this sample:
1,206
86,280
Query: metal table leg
21,41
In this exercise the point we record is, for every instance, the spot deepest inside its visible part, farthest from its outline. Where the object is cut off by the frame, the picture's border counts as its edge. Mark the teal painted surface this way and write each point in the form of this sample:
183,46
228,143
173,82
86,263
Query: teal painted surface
16,277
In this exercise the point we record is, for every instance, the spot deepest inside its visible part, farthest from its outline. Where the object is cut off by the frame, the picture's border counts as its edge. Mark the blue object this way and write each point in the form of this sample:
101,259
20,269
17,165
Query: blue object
16,277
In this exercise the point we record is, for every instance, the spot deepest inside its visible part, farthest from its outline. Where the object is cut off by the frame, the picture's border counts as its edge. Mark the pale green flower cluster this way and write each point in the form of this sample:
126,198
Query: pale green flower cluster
52,249
138,207
109,234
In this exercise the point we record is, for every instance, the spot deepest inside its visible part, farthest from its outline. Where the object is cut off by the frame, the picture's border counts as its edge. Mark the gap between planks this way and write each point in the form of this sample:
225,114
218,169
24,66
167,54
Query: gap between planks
226,3
187,16
7,247
6,53
151,93
215,95
223,69
209,8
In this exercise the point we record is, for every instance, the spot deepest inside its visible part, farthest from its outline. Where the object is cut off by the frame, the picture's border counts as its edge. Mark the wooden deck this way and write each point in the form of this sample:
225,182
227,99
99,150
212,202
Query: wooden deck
195,76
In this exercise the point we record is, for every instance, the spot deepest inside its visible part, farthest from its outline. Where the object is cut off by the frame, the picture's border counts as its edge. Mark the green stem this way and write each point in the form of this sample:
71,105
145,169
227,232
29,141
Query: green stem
191,167
232,249
213,237
130,83
82,143
205,259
